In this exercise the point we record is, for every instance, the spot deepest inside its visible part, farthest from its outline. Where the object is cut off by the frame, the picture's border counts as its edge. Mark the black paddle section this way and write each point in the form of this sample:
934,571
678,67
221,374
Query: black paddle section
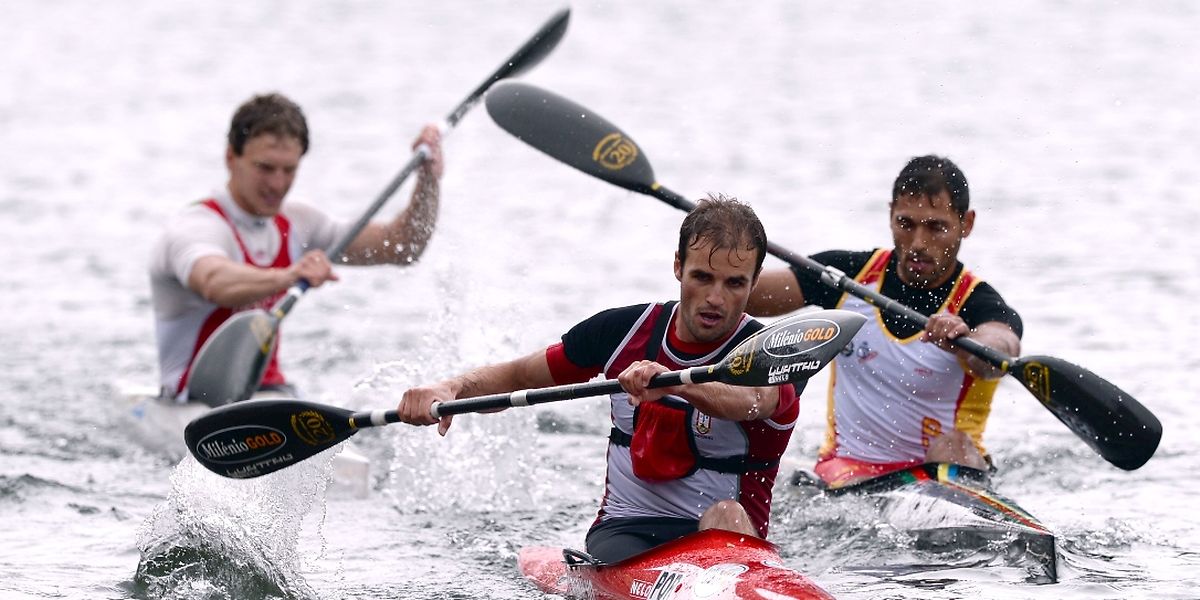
1110,421
257,437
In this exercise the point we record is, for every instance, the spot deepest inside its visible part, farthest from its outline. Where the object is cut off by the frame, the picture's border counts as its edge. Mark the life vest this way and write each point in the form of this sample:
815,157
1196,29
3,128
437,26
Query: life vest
663,444
271,375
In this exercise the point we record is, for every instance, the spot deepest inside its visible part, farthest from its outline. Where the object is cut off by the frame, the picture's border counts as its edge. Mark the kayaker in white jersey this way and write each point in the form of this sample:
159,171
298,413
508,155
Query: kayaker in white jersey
245,244
680,458
900,396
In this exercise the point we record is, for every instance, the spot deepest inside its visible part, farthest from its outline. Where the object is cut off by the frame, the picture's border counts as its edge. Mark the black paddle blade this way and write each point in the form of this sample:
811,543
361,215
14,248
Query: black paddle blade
525,58
570,133
792,349
231,362
256,437
1112,422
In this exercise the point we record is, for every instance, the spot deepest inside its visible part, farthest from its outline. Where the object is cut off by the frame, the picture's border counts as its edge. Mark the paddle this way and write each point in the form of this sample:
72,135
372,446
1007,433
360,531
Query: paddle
256,437
231,362
1109,420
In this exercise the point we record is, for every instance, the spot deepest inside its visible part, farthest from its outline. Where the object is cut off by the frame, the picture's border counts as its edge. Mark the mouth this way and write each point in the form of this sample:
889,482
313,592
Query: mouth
919,264
709,318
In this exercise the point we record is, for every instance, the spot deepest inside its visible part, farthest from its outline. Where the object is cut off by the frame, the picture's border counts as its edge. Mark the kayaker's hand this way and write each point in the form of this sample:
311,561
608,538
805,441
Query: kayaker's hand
313,267
943,328
637,376
432,138
416,403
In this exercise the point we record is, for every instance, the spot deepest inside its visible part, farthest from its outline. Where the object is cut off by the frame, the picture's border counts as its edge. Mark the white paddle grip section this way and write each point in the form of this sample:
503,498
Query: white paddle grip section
686,376
379,418
520,398
433,410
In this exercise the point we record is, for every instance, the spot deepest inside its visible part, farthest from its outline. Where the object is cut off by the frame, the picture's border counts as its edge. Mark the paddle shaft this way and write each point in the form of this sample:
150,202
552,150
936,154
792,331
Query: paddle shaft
840,281
537,396
528,55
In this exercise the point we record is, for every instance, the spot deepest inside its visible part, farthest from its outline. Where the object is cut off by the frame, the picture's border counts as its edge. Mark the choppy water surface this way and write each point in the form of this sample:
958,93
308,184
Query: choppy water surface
1076,123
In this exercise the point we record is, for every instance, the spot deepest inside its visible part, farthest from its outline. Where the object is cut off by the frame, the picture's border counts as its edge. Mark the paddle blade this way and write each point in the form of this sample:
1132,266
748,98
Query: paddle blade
536,49
790,350
231,362
570,133
1112,422
256,437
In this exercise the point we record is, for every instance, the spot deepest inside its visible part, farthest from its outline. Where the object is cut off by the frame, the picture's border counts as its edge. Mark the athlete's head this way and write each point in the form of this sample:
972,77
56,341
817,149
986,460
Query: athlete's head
267,137
722,245
930,216
271,113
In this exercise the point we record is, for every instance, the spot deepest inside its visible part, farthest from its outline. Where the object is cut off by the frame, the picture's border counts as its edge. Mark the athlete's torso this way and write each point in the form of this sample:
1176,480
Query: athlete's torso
627,495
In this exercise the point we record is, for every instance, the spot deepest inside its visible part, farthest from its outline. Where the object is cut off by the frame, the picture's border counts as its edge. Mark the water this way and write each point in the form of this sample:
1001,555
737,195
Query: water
1076,123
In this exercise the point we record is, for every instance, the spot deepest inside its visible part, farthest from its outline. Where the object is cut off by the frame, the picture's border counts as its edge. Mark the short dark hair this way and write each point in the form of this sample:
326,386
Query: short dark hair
931,175
272,114
726,223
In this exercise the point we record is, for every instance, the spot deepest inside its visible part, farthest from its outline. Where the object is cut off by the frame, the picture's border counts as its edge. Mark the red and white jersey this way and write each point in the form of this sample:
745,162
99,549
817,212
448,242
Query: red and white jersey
218,227
889,397
764,440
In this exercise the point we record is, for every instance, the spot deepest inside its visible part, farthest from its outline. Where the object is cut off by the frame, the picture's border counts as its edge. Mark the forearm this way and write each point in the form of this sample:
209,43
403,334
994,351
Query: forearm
733,403
775,293
233,285
994,335
403,240
531,371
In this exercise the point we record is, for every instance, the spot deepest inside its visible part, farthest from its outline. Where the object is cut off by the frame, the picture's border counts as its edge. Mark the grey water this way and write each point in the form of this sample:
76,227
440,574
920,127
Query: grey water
1076,123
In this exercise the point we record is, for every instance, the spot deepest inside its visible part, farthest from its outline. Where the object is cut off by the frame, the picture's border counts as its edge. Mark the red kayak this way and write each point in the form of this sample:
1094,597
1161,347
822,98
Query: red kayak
713,564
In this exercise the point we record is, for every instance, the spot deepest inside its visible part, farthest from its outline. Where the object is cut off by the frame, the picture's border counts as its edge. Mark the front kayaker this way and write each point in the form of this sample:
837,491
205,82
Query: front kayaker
681,458
903,396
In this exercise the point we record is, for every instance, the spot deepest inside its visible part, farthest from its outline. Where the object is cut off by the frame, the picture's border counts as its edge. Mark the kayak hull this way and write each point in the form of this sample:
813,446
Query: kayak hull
712,564
951,508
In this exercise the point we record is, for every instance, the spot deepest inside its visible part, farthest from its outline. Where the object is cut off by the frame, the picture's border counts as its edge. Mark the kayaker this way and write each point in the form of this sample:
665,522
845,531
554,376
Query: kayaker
681,458
245,244
902,396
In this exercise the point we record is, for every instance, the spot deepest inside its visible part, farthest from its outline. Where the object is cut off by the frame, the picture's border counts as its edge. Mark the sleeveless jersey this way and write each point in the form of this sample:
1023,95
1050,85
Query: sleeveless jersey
888,397
688,497
201,325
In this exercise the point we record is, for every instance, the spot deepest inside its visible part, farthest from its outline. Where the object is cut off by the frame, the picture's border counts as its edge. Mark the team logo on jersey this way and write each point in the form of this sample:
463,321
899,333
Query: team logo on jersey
702,423
615,152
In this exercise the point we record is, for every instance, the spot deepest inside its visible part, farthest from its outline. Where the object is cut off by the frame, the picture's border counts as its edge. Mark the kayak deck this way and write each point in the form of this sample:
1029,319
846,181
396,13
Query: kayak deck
950,508
712,564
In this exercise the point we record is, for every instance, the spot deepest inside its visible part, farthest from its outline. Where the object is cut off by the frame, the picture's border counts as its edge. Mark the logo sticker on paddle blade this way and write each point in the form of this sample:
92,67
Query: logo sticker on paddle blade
615,152
239,445
805,336
312,428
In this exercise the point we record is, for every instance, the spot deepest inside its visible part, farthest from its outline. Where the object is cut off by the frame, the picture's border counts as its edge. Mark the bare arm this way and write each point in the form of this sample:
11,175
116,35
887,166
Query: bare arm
231,284
530,371
943,328
403,240
776,293
733,403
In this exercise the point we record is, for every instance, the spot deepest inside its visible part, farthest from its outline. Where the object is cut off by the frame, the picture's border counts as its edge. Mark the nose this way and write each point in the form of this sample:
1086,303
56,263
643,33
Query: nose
279,181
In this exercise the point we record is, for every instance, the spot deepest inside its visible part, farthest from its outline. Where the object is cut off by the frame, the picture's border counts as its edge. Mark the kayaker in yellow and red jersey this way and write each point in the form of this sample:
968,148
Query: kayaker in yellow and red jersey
900,396
244,245
680,458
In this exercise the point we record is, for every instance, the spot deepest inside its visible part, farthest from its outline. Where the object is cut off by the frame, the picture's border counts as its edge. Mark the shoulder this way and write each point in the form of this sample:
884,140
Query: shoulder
985,304
621,318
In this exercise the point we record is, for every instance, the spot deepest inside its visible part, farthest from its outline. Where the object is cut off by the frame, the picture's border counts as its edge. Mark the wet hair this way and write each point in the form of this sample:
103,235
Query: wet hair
272,114
727,224
928,176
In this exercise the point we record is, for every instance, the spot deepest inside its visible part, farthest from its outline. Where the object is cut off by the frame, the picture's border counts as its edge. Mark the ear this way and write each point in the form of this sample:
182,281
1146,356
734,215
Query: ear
678,267
229,157
968,222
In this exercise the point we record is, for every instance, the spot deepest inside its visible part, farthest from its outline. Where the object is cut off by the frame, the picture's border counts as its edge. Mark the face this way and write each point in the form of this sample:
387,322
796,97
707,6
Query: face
928,233
713,291
263,174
